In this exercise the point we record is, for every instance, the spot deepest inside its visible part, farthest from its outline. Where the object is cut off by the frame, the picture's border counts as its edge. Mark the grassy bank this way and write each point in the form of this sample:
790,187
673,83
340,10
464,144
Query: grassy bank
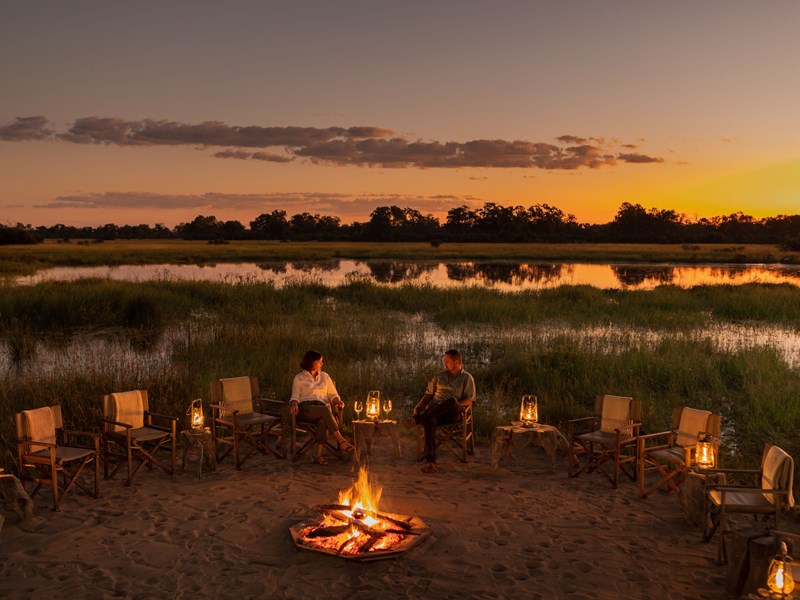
17,260
73,342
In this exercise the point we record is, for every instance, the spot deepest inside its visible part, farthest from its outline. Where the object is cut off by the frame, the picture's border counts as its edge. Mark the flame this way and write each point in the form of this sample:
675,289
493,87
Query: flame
361,495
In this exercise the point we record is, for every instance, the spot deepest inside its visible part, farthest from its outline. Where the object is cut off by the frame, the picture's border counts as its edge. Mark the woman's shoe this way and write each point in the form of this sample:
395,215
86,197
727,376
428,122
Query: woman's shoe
346,447
320,460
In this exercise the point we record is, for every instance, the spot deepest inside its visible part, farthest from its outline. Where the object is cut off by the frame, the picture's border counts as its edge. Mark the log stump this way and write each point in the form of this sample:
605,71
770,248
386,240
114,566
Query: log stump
17,498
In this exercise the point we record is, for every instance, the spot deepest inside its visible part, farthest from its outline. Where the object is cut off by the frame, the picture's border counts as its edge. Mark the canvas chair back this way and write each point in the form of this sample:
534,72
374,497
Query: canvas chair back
38,425
237,394
777,472
616,412
691,422
126,407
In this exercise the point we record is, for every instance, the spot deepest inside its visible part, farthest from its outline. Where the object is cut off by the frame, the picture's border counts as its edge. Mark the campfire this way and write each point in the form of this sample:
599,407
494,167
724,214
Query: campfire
355,528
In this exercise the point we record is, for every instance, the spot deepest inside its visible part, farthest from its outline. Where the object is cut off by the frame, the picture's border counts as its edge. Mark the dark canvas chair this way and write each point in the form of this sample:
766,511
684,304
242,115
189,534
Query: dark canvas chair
302,434
45,461
131,433
768,495
458,437
671,453
234,421
607,439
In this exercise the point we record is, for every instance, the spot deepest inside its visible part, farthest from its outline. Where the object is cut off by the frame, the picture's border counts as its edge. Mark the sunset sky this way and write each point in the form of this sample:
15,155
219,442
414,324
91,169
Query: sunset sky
155,112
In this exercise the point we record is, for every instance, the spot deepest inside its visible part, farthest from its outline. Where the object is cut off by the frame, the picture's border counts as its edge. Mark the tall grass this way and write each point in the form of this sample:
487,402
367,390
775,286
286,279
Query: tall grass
96,336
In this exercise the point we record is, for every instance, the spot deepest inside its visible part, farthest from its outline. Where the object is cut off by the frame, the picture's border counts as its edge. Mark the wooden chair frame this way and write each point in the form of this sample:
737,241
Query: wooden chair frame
50,465
458,437
669,461
229,428
307,431
716,511
137,443
599,447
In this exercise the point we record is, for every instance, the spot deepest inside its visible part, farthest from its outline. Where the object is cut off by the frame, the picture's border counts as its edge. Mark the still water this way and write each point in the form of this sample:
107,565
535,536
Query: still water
506,276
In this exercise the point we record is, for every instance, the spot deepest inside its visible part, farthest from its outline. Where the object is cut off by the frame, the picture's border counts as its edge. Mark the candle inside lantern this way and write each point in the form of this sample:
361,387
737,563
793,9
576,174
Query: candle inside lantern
779,579
374,405
196,412
705,452
529,411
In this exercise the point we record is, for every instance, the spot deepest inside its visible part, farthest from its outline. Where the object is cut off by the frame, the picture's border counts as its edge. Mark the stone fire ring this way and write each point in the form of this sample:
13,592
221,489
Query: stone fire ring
419,530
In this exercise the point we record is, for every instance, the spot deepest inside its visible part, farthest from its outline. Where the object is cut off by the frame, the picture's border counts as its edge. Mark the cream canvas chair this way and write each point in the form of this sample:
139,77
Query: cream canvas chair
46,462
130,433
608,436
671,453
235,422
769,494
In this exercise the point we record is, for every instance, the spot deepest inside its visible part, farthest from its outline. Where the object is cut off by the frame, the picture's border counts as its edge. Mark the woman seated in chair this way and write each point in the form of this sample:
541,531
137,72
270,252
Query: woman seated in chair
314,397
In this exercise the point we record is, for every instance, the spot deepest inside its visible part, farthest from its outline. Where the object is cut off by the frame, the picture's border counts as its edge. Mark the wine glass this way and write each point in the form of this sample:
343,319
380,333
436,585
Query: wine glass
358,407
387,407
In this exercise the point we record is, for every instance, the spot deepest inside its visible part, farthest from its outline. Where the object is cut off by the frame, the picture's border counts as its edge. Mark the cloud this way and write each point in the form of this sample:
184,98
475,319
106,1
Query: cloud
346,206
639,158
148,132
24,129
367,146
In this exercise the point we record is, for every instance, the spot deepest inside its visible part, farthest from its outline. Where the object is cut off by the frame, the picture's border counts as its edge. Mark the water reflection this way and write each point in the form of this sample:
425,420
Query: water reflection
502,275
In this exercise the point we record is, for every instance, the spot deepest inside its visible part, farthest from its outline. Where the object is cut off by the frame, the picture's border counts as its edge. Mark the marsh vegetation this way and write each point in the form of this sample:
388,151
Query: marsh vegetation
732,349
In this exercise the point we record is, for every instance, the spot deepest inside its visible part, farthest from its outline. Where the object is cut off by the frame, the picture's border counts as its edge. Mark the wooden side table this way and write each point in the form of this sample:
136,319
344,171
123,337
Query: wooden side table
201,443
508,437
365,431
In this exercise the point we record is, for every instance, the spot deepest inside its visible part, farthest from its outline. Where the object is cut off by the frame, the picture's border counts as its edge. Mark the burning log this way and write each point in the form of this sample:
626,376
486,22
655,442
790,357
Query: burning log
328,531
336,510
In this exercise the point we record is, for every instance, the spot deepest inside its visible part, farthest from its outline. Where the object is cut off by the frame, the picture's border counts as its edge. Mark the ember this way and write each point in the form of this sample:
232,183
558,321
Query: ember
355,529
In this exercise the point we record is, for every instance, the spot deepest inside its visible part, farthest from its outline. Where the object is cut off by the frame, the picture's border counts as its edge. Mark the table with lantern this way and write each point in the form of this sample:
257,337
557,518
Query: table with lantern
508,437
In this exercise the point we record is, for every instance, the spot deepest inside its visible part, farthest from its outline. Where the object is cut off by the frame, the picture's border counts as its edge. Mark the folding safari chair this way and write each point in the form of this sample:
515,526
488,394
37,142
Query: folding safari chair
46,462
130,434
235,422
302,434
673,453
607,437
458,437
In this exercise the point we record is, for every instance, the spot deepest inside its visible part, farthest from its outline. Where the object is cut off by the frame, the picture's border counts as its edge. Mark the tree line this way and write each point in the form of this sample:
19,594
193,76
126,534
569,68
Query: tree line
492,222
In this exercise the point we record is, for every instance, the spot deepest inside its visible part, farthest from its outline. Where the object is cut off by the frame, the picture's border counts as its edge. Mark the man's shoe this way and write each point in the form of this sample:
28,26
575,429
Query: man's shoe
429,468
408,423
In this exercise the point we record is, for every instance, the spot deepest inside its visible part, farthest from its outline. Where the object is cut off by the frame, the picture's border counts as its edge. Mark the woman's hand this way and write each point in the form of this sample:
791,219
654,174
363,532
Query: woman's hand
337,402
294,407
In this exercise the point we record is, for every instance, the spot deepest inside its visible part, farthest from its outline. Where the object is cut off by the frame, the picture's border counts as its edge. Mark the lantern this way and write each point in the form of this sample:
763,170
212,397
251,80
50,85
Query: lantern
529,411
196,413
779,577
706,451
374,405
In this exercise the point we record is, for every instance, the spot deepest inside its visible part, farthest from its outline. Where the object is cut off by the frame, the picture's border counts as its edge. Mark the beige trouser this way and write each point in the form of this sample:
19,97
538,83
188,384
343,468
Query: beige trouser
321,415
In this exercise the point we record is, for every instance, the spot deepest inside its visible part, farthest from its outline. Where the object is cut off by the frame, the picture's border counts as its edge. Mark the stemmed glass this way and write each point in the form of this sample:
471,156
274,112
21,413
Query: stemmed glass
387,407
358,407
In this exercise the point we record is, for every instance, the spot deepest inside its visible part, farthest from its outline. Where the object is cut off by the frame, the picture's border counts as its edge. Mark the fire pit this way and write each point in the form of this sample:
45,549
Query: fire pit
355,529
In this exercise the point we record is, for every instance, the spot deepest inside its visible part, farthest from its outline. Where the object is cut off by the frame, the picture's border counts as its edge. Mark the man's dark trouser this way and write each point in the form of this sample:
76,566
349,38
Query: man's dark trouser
444,413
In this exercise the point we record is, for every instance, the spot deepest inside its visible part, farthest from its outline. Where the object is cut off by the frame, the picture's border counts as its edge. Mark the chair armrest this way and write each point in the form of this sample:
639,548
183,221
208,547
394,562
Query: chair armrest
275,409
222,409
79,434
581,420
160,416
586,424
652,436
120,423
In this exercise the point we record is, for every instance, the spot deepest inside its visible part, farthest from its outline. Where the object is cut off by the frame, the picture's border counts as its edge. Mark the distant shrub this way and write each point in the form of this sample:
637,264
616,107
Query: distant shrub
792,244
17,235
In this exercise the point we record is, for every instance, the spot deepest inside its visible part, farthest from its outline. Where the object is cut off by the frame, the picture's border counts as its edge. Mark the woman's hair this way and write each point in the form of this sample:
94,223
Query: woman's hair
309,359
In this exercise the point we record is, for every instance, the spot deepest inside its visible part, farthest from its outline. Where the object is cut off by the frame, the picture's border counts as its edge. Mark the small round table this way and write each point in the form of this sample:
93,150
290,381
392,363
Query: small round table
199,441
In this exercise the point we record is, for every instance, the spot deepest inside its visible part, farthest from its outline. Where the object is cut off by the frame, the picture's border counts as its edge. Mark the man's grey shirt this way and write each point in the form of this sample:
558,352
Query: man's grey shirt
444,386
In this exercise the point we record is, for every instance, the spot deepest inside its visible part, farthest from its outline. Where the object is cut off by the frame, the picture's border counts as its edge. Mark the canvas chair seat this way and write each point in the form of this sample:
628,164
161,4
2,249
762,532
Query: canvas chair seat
610,436
235,422
64,454
46,458
133,433
769,494
670,454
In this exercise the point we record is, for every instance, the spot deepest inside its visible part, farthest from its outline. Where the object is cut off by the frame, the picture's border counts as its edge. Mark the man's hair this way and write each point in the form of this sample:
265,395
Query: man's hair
309,359
454,354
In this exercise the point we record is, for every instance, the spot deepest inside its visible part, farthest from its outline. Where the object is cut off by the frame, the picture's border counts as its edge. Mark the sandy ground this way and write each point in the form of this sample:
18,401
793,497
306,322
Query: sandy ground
518,531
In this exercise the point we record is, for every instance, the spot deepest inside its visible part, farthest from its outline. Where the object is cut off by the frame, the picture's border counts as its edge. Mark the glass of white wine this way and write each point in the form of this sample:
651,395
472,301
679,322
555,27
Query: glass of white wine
358,407
387,407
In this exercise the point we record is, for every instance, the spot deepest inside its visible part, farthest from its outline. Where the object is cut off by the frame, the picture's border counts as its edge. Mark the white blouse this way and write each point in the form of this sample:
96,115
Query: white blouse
306,387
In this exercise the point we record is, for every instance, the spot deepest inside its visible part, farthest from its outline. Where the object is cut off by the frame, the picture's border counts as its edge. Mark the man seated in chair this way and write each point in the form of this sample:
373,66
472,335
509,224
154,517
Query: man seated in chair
439,405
